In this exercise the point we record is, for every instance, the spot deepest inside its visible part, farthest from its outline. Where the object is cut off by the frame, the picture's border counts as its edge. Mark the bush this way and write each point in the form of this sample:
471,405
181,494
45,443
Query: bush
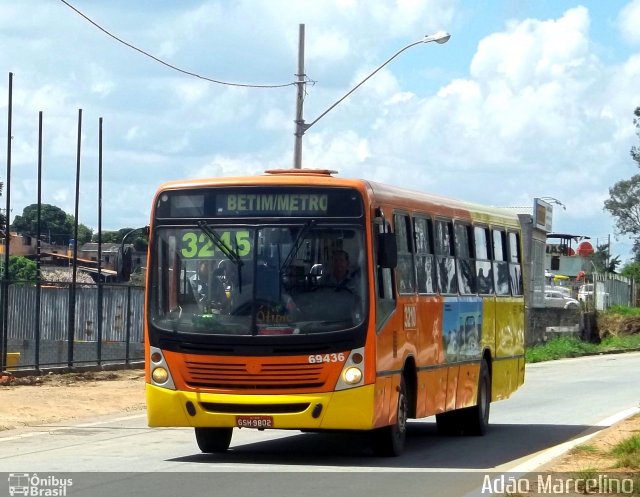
619,321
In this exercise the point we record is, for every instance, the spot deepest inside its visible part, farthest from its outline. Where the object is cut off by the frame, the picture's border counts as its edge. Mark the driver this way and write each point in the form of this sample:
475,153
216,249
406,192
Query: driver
339,275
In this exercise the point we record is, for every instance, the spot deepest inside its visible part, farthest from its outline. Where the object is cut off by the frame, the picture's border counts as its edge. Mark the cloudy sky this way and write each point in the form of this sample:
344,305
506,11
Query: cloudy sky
528,99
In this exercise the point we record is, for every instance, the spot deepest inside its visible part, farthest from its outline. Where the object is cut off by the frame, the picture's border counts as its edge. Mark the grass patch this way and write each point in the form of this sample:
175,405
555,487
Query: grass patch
559,348
623,342
584,449
574,347
623,310
627,453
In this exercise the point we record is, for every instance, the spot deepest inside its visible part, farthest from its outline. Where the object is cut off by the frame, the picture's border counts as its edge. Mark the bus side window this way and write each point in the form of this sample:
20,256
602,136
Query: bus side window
464,254
500,263
484,273
515,270
405,272
385,294
446,262
424,257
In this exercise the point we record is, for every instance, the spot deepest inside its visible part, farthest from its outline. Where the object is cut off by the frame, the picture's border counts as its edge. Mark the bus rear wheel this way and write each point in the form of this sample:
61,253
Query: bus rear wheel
390,440
475,420
470,420
212,440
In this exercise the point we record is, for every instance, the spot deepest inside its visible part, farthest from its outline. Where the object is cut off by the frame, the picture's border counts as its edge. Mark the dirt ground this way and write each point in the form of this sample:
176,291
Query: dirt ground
51,398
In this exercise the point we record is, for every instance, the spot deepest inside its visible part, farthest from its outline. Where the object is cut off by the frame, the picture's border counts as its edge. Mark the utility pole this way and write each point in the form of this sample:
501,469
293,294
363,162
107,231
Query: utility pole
300,126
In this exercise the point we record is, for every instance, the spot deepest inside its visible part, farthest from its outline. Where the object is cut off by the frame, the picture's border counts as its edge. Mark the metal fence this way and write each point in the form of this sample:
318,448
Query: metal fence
600,291
612,289
114,337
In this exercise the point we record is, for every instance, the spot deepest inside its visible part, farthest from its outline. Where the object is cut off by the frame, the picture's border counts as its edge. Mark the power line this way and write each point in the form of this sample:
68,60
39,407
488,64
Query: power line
166,63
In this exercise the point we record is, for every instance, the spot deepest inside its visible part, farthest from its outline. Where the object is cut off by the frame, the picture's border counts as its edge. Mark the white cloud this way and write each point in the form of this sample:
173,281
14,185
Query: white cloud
532,111
329,46
629,22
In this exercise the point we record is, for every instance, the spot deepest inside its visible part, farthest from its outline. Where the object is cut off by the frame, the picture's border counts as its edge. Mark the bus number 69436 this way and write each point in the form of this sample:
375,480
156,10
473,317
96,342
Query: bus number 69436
319,358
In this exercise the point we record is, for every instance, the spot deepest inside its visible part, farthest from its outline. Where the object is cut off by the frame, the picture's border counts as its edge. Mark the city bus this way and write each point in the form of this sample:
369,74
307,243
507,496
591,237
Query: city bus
247,326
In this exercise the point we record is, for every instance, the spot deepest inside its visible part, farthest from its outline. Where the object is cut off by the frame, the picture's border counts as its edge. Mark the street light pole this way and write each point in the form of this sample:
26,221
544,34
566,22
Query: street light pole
553,200
439,37
300,126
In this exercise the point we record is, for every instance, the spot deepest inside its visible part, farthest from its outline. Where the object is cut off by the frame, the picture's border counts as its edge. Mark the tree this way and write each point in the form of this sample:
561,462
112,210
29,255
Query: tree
631,270
22,269
635,151
84,232
55,224
624,204
138,239
602,260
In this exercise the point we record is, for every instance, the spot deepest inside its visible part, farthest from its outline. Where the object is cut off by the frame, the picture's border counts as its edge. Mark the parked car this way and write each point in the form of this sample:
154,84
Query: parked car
556,288
585,292
553,298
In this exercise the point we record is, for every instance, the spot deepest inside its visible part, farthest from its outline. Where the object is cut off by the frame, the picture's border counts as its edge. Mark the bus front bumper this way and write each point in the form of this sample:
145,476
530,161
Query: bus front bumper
350,409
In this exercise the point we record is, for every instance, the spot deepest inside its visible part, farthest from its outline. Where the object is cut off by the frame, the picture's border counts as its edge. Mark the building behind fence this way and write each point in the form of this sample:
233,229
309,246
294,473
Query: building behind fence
121,332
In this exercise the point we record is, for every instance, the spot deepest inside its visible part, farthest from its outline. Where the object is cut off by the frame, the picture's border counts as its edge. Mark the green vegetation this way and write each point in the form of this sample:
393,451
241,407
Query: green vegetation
584,449
627,453
622,310
619,329
56,226
21,269
574,347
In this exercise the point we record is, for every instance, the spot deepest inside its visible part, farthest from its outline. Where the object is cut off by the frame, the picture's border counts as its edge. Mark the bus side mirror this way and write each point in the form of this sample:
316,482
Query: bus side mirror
387,250
124,264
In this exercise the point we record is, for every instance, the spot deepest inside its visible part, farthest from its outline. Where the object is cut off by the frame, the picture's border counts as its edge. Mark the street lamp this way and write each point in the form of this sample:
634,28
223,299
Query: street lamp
553,200
301,127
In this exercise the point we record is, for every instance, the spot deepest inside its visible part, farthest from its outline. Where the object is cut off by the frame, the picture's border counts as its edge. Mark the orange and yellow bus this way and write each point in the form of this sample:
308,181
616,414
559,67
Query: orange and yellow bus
299,300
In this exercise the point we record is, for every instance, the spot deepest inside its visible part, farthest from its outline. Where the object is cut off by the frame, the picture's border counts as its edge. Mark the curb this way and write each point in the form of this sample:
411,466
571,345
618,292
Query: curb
552,453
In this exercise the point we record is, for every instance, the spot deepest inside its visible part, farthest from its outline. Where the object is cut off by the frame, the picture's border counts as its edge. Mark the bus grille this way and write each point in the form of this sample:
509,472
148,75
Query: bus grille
271,376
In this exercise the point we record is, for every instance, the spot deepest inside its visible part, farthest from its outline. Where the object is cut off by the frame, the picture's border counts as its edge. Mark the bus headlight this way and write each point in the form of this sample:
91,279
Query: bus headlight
352,375
160,375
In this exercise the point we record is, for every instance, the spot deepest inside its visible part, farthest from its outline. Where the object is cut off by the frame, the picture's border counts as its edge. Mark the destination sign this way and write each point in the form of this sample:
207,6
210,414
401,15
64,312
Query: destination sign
302,203
226,202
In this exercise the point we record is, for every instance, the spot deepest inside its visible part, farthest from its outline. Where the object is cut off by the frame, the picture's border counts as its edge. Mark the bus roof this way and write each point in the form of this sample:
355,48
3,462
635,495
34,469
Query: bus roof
401,198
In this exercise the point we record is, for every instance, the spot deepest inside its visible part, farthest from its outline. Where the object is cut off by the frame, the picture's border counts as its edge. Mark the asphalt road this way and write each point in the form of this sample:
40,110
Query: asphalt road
121,456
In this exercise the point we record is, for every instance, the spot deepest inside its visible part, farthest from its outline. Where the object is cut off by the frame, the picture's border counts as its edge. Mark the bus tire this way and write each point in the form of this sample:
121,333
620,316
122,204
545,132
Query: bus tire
390,440
475,420
212,440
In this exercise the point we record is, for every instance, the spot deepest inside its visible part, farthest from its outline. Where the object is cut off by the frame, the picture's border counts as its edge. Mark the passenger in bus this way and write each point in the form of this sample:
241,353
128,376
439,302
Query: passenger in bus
208,289
484,282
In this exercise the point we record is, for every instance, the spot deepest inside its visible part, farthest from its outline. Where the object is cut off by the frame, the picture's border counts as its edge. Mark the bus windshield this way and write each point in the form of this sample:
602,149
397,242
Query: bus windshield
285,279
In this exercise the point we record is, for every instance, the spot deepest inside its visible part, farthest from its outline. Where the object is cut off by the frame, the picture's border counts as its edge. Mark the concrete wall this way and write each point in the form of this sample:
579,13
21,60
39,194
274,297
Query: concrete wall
543,324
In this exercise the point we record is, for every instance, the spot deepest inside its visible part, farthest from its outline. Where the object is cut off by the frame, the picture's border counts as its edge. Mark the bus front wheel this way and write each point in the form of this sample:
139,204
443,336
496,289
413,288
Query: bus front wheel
211,440
390,440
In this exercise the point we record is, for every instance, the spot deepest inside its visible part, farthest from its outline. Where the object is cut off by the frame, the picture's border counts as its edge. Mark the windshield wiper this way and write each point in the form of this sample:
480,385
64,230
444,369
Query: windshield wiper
231,254
297,243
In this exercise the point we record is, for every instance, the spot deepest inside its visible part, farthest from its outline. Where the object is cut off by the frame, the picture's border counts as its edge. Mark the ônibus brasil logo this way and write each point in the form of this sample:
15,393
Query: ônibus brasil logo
32,485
